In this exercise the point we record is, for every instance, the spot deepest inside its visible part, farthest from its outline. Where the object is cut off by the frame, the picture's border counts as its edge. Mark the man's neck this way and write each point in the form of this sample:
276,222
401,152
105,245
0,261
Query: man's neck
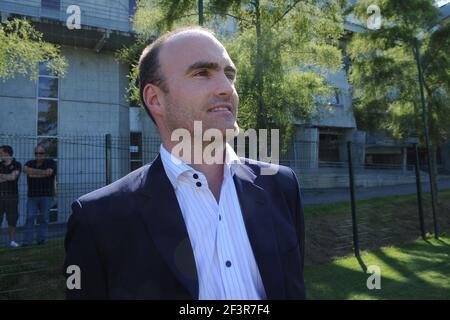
213,172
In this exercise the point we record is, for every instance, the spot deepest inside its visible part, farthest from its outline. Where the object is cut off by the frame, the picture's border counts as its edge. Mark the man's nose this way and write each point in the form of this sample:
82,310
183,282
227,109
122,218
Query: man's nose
224,86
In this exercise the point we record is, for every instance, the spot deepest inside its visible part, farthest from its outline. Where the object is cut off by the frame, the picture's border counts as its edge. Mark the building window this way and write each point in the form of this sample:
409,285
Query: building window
328,149
51,4
135,150
47,110
47,117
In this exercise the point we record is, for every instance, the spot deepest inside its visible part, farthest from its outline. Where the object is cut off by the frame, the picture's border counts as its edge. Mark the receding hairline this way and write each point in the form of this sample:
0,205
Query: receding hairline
177,42
168,37
186,32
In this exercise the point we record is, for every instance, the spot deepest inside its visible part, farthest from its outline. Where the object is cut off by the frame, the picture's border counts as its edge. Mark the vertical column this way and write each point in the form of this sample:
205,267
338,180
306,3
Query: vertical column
306,153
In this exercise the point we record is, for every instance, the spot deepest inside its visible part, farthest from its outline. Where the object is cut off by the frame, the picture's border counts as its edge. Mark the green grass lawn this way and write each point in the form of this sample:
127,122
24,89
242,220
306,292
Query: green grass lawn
382,222
34,272
420,270
405,202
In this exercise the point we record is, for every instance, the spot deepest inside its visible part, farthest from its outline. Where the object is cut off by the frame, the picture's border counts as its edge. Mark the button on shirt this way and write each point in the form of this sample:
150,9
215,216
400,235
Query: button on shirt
226,266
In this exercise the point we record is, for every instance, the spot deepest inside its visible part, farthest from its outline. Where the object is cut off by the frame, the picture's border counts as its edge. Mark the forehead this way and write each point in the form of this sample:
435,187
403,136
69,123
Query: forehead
184,49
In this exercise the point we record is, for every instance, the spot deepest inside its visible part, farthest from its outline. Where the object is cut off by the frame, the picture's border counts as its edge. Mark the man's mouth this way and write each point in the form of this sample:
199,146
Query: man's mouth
221,108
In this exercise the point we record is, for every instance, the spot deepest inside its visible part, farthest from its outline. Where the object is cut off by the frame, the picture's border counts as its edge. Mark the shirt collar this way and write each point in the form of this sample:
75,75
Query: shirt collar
175,167
232,160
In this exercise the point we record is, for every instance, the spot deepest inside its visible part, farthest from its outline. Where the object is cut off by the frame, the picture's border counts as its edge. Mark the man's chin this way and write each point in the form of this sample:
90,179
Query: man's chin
228,130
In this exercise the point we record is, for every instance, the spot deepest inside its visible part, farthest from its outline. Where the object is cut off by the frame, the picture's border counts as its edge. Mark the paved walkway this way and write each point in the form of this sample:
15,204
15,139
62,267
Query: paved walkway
321,196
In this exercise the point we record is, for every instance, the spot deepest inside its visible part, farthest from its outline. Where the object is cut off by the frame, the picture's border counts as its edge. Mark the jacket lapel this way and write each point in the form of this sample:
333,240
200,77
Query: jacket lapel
164,220
258,213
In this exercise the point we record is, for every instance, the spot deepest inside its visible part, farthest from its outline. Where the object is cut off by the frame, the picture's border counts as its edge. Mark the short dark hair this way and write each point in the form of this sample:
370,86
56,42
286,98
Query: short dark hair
7,149
149,71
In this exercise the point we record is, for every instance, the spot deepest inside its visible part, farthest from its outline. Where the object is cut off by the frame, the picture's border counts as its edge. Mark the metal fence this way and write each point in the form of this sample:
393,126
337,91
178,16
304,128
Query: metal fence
335,225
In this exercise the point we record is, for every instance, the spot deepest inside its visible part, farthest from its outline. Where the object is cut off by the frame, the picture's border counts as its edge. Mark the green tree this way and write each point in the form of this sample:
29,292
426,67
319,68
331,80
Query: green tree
384,70
283,51
22,48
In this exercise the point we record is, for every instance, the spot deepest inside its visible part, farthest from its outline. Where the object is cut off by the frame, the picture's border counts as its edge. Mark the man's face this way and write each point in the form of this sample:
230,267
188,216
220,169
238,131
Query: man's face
39,153
4,156
199,76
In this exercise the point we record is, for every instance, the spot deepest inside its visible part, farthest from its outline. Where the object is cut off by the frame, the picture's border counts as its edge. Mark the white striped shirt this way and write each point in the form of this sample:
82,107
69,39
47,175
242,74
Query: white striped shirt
226,266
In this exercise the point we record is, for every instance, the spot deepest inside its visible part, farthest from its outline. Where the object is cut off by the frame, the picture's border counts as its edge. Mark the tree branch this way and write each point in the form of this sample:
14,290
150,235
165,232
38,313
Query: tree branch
216,13
286,12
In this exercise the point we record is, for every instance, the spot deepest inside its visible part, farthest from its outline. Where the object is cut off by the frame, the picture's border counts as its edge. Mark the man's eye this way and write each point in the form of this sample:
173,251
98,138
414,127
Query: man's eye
203,73
230,75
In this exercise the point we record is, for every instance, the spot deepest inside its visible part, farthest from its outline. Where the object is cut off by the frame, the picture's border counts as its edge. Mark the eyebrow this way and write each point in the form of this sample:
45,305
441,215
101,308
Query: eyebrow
208,65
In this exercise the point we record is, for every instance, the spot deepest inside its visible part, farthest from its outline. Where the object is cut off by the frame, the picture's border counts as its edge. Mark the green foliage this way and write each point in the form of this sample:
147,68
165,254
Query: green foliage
22,48
282,50
384,70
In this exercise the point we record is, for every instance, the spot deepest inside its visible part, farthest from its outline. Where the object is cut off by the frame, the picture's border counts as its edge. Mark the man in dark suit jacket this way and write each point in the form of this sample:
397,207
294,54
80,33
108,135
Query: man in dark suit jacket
133,240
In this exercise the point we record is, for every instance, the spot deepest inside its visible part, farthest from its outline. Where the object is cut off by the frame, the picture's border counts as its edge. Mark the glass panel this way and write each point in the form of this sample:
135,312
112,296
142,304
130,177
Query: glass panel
48,87
47,118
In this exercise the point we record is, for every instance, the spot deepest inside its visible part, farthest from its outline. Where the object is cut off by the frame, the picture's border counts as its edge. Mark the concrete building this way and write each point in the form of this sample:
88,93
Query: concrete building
322,142
72,114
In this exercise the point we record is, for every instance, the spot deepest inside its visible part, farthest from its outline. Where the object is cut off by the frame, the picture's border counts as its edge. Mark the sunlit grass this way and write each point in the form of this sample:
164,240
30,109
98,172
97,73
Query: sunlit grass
420,270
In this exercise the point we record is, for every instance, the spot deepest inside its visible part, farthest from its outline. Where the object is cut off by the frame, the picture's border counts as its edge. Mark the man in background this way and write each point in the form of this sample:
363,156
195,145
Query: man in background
41,173
9,191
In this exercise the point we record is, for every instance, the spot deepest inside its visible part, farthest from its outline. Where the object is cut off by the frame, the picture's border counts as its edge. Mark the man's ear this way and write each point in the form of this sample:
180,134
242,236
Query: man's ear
151,95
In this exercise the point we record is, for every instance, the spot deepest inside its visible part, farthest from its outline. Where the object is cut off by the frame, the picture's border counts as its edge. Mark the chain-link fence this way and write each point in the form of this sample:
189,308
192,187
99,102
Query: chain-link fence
86,163
390,205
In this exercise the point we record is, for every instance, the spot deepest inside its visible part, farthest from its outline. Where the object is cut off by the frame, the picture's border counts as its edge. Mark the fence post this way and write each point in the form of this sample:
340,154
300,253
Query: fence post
108,160
419,192
433,188
352,199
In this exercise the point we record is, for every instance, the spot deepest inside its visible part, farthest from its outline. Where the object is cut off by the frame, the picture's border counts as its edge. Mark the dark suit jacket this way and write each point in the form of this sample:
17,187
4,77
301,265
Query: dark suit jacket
130,241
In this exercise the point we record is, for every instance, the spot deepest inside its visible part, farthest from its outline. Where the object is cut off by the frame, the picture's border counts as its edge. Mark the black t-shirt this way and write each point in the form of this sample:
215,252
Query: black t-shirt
42,187
10,187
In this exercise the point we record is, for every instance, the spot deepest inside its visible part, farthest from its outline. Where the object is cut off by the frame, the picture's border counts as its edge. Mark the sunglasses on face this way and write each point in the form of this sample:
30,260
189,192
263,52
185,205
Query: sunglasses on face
39,153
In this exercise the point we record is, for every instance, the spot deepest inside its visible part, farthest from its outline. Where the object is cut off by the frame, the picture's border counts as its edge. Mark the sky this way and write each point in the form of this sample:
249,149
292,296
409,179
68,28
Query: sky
442,2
